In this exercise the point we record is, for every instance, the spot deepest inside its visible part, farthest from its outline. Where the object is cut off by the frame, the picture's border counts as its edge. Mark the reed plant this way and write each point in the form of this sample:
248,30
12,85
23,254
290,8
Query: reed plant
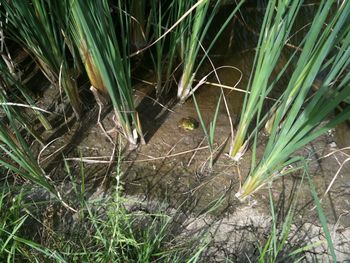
306,117
190,46
276,27
192,32
9,87
37,25
139,23
16,154
106,58
11,221
164,57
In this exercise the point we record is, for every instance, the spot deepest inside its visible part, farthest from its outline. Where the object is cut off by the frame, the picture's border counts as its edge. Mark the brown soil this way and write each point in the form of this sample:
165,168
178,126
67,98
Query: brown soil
173,167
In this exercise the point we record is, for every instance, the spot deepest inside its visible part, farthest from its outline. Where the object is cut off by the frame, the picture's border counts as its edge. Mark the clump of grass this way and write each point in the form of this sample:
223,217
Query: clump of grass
277,247
106,59
15,244
191,34
138,236
11,222
106,230
274,249
8,85
16,155
163,16
278,21
298,122
37,25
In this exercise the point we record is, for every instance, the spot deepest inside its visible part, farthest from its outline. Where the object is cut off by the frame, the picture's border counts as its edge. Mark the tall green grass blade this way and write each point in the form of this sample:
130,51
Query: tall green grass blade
11,235
10,222
322,218
304,249
53,255
209,132
198,253
275,245
17,152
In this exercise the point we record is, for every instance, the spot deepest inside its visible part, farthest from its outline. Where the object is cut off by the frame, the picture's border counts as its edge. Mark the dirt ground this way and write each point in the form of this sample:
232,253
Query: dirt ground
173,168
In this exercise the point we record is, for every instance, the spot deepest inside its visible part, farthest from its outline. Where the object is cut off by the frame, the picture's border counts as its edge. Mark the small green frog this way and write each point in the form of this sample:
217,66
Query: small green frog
188,124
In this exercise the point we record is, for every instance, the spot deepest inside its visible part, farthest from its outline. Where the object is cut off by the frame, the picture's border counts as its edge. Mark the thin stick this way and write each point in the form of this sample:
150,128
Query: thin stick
44,148
172,148
100,107
110,162
333,180
213,153
331,153
169,30
24,106
194,154
91,161
335,177
231,88
155,101
61,96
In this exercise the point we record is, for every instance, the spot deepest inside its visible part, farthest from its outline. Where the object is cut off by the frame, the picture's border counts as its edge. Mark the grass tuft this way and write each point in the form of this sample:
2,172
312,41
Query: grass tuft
106,59
37,25
302,118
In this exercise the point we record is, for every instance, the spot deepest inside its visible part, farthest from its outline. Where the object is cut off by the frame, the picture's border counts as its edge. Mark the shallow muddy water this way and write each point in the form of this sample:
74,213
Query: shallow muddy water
173,166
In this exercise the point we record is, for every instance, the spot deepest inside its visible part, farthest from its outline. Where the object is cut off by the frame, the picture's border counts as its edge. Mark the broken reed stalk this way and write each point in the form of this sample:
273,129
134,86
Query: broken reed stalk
139,24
